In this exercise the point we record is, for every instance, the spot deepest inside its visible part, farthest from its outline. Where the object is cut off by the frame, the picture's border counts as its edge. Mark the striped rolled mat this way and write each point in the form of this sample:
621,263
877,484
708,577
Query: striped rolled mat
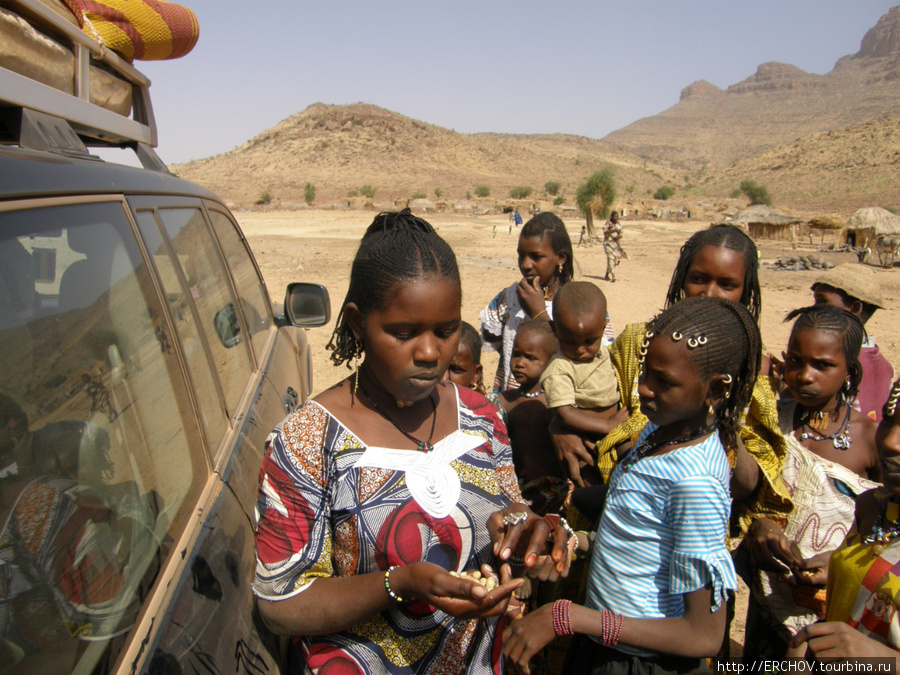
148,30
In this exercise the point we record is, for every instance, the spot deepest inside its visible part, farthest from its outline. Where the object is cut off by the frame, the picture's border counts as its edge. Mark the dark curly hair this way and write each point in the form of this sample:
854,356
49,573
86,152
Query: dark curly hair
733,347
723,236
397,247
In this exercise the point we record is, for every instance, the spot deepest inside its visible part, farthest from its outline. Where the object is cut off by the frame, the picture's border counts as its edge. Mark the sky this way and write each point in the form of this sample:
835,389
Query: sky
584,67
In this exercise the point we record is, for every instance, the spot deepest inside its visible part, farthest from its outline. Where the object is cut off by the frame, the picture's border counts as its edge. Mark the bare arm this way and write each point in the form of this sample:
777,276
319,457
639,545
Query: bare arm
594,421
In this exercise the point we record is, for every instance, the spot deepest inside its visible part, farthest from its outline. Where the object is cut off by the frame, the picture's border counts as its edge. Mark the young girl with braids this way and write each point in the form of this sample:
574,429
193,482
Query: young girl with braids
718,262
372,493
659,570
546,264
831,459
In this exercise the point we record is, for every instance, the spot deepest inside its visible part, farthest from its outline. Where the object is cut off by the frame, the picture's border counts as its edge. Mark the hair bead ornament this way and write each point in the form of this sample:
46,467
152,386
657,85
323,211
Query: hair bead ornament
891,406
676,336
727,379
696,341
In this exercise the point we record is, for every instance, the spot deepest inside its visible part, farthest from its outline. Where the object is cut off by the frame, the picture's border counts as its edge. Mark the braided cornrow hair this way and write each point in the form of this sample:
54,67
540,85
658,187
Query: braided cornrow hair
396,248
846,325
727,236
722,339
548,225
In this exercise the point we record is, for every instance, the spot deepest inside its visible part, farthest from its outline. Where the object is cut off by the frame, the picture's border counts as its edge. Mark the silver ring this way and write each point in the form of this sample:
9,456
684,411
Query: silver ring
515,518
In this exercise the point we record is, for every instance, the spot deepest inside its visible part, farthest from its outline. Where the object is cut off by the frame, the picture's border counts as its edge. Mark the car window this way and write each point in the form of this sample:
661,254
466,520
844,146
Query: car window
210,399
254,299
100,456
220,317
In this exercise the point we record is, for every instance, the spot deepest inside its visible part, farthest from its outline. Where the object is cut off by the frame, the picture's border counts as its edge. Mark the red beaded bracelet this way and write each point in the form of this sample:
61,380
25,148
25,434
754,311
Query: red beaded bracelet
611,627
562,622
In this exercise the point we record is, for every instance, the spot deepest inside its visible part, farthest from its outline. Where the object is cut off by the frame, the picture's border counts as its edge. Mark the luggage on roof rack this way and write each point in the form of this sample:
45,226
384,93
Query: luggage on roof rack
49,65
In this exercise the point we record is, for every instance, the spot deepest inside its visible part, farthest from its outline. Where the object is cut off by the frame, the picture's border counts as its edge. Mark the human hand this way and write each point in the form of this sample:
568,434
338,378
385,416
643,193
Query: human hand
460,596
835,639
768,548
525,637
812,571
531,296
571,451
506,528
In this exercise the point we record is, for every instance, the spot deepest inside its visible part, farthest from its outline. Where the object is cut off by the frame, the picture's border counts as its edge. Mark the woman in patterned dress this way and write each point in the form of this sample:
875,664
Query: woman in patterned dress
375,491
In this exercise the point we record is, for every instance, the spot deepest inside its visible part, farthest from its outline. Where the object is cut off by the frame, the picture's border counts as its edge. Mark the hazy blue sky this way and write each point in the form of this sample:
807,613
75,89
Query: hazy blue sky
583,67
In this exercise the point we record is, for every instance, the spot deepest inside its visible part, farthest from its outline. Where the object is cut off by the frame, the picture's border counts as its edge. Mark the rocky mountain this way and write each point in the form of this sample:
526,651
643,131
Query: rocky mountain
778,104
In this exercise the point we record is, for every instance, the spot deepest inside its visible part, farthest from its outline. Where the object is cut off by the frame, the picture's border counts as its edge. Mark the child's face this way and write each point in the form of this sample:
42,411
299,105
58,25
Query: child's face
716,272
463,370
538,259
826,295
530,355
580,335
671,390
815,367
409,344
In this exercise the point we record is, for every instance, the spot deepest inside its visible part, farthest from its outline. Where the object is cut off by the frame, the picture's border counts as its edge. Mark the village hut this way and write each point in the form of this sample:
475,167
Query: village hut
764,222
822,224
867,224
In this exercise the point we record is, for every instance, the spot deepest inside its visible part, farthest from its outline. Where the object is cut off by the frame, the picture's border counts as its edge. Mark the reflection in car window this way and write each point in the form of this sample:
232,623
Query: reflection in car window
209,287
254,300
95,431
206,387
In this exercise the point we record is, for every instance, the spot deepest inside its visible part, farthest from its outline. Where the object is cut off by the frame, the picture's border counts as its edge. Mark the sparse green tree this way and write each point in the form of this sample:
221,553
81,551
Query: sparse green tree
664,192
596,195
757,194
353,193
367,191
559,200
468,195
309,193
482,191
521,192
264,197
552,187
437,193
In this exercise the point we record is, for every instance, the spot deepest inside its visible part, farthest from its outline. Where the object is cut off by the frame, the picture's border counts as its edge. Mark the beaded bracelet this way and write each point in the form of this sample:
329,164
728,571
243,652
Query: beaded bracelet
387,584
562,622
611,627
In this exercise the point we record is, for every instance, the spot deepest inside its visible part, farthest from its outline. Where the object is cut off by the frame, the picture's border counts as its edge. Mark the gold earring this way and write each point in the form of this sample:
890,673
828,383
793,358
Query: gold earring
559,268
356,355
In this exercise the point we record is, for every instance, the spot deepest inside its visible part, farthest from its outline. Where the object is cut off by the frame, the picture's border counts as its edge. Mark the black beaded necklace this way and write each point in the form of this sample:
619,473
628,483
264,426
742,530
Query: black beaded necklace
648,447
421,446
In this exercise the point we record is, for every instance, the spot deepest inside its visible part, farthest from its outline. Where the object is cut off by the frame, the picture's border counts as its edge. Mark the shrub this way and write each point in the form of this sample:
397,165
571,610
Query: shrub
264,198
353,193
737,193
552,187
468,195
367,191
482,191
664,192
757,194
521,192
309,193
559,200
419,195
629,189
437,193
891,209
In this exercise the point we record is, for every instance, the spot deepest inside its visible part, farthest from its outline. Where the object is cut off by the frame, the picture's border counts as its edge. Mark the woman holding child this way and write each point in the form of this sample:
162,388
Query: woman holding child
384,484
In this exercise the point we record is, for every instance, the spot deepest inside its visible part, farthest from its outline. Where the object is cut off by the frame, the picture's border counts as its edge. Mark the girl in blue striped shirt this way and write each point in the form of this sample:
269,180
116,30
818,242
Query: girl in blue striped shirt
660,570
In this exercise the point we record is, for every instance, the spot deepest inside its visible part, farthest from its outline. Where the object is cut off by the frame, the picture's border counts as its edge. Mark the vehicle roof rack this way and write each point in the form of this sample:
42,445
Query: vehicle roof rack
93,124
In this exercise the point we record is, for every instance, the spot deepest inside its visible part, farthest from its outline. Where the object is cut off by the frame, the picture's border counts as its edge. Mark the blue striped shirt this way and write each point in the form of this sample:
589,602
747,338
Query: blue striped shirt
662,533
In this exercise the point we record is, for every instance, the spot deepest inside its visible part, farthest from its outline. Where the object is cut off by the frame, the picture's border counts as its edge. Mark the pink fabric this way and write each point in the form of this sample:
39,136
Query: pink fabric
878,375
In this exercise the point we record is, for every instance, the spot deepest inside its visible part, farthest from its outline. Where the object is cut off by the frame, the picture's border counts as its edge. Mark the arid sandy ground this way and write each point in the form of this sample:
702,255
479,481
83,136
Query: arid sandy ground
319,246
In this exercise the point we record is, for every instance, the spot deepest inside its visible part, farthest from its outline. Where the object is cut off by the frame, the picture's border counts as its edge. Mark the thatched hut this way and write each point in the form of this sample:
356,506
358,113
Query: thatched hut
867,224
764,222
822,224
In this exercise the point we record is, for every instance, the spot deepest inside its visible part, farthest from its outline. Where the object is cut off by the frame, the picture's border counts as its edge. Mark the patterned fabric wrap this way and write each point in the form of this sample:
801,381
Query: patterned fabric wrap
324,510
864,588
822,516
148,30
662,533
759,431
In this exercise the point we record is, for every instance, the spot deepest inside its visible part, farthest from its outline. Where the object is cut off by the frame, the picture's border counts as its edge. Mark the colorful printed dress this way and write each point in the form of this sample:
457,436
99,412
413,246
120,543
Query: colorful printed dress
331,506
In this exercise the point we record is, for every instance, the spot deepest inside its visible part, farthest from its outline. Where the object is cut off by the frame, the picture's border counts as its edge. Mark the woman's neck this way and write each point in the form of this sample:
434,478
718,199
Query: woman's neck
551,288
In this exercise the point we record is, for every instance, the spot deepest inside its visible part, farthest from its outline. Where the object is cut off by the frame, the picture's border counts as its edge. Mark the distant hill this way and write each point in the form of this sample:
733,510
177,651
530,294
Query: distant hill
340,148
778,104
818,142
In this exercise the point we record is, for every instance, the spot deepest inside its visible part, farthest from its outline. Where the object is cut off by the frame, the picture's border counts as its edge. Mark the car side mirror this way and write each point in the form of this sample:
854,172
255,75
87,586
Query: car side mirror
306,305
